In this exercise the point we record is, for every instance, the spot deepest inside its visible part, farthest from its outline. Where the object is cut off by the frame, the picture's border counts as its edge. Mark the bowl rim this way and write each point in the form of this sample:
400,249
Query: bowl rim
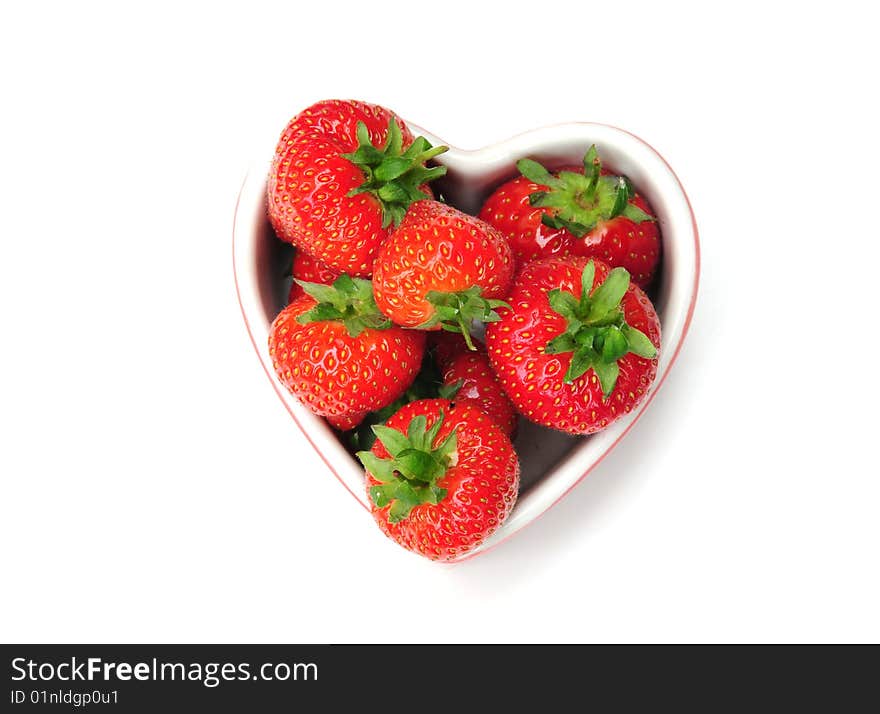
248,296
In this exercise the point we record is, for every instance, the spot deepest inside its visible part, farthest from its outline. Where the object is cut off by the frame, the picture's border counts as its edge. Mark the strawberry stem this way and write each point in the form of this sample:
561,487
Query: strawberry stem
597,333
578,202
410,476
457,311
349,301
394,176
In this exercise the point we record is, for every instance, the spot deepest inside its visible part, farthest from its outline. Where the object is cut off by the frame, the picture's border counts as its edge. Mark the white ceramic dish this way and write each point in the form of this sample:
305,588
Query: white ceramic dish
552,463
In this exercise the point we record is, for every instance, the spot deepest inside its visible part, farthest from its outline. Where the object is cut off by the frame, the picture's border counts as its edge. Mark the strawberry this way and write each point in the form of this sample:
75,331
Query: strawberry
428,384
339,355
441,477
309,270
442,268
334,193
578,348
346,422
471,374
589,213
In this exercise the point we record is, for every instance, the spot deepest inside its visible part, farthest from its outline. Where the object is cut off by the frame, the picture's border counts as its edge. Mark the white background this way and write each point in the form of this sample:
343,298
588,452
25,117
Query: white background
155,488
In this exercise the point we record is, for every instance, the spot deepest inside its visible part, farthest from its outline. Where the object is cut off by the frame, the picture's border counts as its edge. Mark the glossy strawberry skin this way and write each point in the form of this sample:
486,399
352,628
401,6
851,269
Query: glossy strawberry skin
619,242
481,487
623,243
508,210
437,247
534,380
310,270
346,422
339,376
479,383
309,182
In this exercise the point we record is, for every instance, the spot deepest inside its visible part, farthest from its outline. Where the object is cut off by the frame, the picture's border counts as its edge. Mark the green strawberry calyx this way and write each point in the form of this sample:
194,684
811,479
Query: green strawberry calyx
394,176
456,311
410,476
579,202
348,300
597,333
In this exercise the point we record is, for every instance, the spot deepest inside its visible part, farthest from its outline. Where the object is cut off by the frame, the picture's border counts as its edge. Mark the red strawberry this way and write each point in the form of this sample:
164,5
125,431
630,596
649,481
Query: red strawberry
578,348
339,355
441,477
309,270
346,422
472,375
334,193
442,267
572,213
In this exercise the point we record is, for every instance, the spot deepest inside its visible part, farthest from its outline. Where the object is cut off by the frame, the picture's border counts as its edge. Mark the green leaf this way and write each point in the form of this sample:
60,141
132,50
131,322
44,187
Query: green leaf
584,336
322,312
563,302
547,199
561,343
449,445
587,278
353,326
398,511
580,202
535,199
581,361
620,198
377,322
431,434
349,300
591,158
456,311
365,157
614,344
607,373
363,136
410,477
394,142
382,469
636,214
383,494
578,230
430,152
391,439
392,193
638,342
574,182
416,431
392,213
489,308
448,312
394,177
549,220
417,465
320,292
347,286
435,494
609,294
439,298
392,169
407,493
534,172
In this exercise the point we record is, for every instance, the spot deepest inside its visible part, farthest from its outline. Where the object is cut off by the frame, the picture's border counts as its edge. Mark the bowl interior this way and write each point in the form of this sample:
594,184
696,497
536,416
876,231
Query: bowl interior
551,462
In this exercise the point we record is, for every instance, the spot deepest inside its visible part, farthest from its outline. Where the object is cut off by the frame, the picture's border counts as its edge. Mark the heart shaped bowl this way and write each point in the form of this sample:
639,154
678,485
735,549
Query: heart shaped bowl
552,463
